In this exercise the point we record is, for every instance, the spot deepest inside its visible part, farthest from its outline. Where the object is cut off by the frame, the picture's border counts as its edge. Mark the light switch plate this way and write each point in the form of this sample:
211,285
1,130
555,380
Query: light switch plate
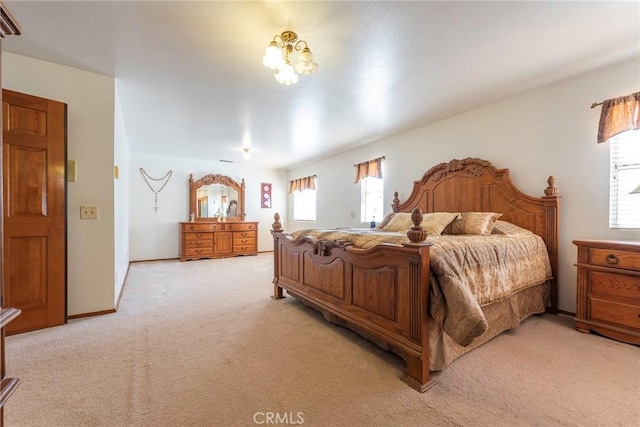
72,171
88,212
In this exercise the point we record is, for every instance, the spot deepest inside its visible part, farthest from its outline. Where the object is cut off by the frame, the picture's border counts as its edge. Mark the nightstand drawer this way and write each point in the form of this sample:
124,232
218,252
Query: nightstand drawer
615,285
615,312
614,258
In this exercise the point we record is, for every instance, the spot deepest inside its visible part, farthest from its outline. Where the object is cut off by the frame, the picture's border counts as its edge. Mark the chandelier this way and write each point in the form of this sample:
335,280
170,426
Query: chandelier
277,57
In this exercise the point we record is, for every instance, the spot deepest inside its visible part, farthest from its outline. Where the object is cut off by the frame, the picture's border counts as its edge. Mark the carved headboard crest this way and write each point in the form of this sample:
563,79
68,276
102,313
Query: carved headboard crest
471,166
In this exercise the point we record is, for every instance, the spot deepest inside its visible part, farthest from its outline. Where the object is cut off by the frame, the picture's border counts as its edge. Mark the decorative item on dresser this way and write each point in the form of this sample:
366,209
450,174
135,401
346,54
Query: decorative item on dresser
216,227
608,289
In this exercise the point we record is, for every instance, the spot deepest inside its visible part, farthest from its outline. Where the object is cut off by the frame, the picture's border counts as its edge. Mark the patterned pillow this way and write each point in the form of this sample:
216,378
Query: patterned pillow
508,229
399,222
479,223
435,222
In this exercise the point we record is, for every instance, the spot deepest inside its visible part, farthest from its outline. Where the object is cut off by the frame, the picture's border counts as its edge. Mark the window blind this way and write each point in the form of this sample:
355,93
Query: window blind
371,199
304,205
624,206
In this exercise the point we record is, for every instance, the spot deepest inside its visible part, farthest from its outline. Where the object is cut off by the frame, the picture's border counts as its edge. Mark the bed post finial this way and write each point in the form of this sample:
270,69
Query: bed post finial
396,202
276,226
416,233
551,190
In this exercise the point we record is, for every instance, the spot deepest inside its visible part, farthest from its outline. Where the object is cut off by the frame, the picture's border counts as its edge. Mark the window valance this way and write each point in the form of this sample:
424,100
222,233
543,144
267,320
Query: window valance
369,168
618,115
301,184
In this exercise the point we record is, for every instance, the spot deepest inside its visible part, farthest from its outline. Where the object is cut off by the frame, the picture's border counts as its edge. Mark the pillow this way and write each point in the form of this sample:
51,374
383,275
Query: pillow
479,223
508,229
386,220
399,222
435,222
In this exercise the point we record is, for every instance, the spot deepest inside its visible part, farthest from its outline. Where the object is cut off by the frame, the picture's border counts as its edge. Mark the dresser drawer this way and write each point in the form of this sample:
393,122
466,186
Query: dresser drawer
615,285
615,258
198,243
241,226
615,312
244,235
240,249
198,251
201,227
198,236
244,242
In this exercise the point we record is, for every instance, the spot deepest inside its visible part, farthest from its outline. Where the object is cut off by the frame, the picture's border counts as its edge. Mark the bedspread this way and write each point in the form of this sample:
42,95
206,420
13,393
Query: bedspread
467,271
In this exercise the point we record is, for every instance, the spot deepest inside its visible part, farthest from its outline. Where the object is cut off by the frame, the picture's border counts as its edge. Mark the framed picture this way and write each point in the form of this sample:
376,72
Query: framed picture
265,195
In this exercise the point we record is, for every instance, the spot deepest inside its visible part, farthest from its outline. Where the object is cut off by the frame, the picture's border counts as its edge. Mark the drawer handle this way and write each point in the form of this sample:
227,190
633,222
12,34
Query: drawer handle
192,227
199,235
612,259
244,234
199,243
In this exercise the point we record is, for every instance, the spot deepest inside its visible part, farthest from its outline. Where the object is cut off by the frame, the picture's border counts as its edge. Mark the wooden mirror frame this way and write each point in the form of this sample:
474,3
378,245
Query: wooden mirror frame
215,179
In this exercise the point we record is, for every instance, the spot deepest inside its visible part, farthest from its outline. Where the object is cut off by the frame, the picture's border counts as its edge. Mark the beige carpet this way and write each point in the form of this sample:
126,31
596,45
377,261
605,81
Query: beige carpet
200,343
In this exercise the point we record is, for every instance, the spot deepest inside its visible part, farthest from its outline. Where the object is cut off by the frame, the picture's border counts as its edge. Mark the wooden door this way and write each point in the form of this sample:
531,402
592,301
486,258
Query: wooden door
34,187
222,242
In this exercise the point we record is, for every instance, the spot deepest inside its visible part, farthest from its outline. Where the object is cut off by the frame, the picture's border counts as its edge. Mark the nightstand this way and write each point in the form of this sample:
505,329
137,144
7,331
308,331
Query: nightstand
608,289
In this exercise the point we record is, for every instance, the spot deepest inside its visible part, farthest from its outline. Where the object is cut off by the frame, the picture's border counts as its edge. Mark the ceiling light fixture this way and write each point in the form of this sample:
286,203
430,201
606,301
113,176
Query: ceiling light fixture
277,56
246,153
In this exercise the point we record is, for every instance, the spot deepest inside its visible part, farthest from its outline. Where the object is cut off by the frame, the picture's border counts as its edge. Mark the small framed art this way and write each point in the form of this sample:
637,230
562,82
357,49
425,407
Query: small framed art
265,195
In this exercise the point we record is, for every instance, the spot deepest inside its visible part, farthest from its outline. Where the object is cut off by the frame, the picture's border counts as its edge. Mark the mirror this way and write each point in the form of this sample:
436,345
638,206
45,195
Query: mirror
216,198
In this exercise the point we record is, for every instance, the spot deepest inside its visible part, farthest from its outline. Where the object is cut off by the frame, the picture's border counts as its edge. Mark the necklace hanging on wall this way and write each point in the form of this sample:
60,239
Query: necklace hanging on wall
146,178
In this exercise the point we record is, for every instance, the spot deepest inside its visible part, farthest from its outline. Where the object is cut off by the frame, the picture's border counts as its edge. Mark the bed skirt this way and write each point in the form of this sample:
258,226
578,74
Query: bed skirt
501,316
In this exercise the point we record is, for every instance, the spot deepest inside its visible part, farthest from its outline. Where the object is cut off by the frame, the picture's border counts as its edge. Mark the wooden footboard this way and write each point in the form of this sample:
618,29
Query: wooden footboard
382,291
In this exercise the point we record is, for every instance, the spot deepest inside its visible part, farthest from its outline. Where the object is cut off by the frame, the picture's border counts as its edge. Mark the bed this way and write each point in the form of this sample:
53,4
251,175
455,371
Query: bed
398,291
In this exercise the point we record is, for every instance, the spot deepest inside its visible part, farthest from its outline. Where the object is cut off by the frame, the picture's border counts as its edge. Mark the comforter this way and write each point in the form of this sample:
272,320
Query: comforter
467,271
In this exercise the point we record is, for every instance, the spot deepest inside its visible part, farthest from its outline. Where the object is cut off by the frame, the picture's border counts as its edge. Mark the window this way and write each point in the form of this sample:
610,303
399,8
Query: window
371,205
624,208
304,205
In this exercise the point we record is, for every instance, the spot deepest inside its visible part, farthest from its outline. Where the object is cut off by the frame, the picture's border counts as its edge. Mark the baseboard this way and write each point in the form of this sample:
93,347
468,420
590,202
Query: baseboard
124,283
151,260
566,313
93,313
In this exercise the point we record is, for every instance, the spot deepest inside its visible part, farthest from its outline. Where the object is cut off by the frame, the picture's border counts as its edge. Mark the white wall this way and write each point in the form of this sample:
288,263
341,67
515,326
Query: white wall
548,131
121,200
155,235
90,141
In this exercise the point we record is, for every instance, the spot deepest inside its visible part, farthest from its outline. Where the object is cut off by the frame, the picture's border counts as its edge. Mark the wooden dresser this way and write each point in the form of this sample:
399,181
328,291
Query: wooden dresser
608,291
217,239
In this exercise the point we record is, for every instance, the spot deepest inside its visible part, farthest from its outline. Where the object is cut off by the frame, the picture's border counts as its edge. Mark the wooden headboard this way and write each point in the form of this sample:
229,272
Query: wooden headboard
475,185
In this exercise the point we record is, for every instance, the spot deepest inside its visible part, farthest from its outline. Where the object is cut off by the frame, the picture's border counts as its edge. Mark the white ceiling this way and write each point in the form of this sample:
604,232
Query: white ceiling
191,82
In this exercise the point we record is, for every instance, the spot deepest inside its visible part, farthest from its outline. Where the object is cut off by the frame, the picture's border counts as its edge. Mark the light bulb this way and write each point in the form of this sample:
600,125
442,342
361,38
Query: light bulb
286,75
272,58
